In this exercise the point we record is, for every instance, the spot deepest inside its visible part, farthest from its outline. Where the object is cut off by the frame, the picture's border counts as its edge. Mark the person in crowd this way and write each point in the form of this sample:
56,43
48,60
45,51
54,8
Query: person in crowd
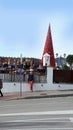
31,80
1,86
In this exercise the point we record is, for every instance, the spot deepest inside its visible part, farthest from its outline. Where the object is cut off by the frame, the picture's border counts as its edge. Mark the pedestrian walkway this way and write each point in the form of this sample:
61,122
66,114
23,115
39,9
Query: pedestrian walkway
37,94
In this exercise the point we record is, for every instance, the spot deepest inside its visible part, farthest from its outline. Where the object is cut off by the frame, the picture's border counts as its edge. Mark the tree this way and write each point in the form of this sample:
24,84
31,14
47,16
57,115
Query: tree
56,54
65,67
69,60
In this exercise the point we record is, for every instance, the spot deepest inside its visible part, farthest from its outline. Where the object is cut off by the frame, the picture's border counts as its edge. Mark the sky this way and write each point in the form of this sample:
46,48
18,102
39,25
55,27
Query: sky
24,26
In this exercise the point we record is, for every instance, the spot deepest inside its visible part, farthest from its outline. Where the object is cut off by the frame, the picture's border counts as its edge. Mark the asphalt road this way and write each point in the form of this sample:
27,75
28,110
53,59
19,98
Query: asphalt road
37,114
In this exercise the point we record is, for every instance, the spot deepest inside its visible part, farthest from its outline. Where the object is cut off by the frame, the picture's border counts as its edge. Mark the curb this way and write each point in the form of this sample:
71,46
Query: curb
47,96
35,97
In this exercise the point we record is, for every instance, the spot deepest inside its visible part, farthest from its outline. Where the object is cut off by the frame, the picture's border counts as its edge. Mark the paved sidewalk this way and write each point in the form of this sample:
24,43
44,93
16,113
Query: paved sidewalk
37,94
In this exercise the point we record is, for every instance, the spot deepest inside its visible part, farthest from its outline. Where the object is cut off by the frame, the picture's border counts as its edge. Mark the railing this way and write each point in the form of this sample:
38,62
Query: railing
59,76
24,78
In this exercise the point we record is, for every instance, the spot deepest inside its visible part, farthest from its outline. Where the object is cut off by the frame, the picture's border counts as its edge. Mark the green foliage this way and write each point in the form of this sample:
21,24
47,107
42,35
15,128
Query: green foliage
69,59
65,67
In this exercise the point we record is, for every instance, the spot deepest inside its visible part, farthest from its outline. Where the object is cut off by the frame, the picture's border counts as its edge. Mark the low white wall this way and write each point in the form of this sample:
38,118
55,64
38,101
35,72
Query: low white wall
17,87
46,86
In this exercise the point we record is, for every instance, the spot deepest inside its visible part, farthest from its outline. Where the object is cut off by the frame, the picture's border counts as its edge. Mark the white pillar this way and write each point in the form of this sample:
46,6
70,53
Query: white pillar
49,75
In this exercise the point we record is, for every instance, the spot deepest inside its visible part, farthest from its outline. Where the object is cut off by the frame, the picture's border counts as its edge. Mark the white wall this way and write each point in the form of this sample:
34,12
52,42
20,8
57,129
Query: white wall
15,87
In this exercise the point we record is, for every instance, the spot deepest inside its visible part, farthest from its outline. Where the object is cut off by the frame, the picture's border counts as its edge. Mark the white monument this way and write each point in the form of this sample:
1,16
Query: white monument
46,59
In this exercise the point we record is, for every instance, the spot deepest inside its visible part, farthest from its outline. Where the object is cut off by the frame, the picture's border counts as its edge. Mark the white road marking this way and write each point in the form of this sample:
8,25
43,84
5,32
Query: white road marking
41,120
50,129
71,119
62,119
39,113
43,129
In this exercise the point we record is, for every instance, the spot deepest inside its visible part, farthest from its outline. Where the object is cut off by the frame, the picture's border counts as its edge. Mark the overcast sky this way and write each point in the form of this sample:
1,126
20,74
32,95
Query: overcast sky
24,25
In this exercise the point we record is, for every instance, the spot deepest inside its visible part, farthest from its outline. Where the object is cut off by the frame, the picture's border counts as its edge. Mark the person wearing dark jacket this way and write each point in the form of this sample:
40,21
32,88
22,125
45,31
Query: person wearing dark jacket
30,80
1,85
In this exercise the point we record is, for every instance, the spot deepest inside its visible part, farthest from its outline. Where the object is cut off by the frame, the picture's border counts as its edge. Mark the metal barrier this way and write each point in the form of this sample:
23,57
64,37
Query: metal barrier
24,78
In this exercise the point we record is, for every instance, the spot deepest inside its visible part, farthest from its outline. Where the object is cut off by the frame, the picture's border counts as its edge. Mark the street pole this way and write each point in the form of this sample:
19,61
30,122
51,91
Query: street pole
20,75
